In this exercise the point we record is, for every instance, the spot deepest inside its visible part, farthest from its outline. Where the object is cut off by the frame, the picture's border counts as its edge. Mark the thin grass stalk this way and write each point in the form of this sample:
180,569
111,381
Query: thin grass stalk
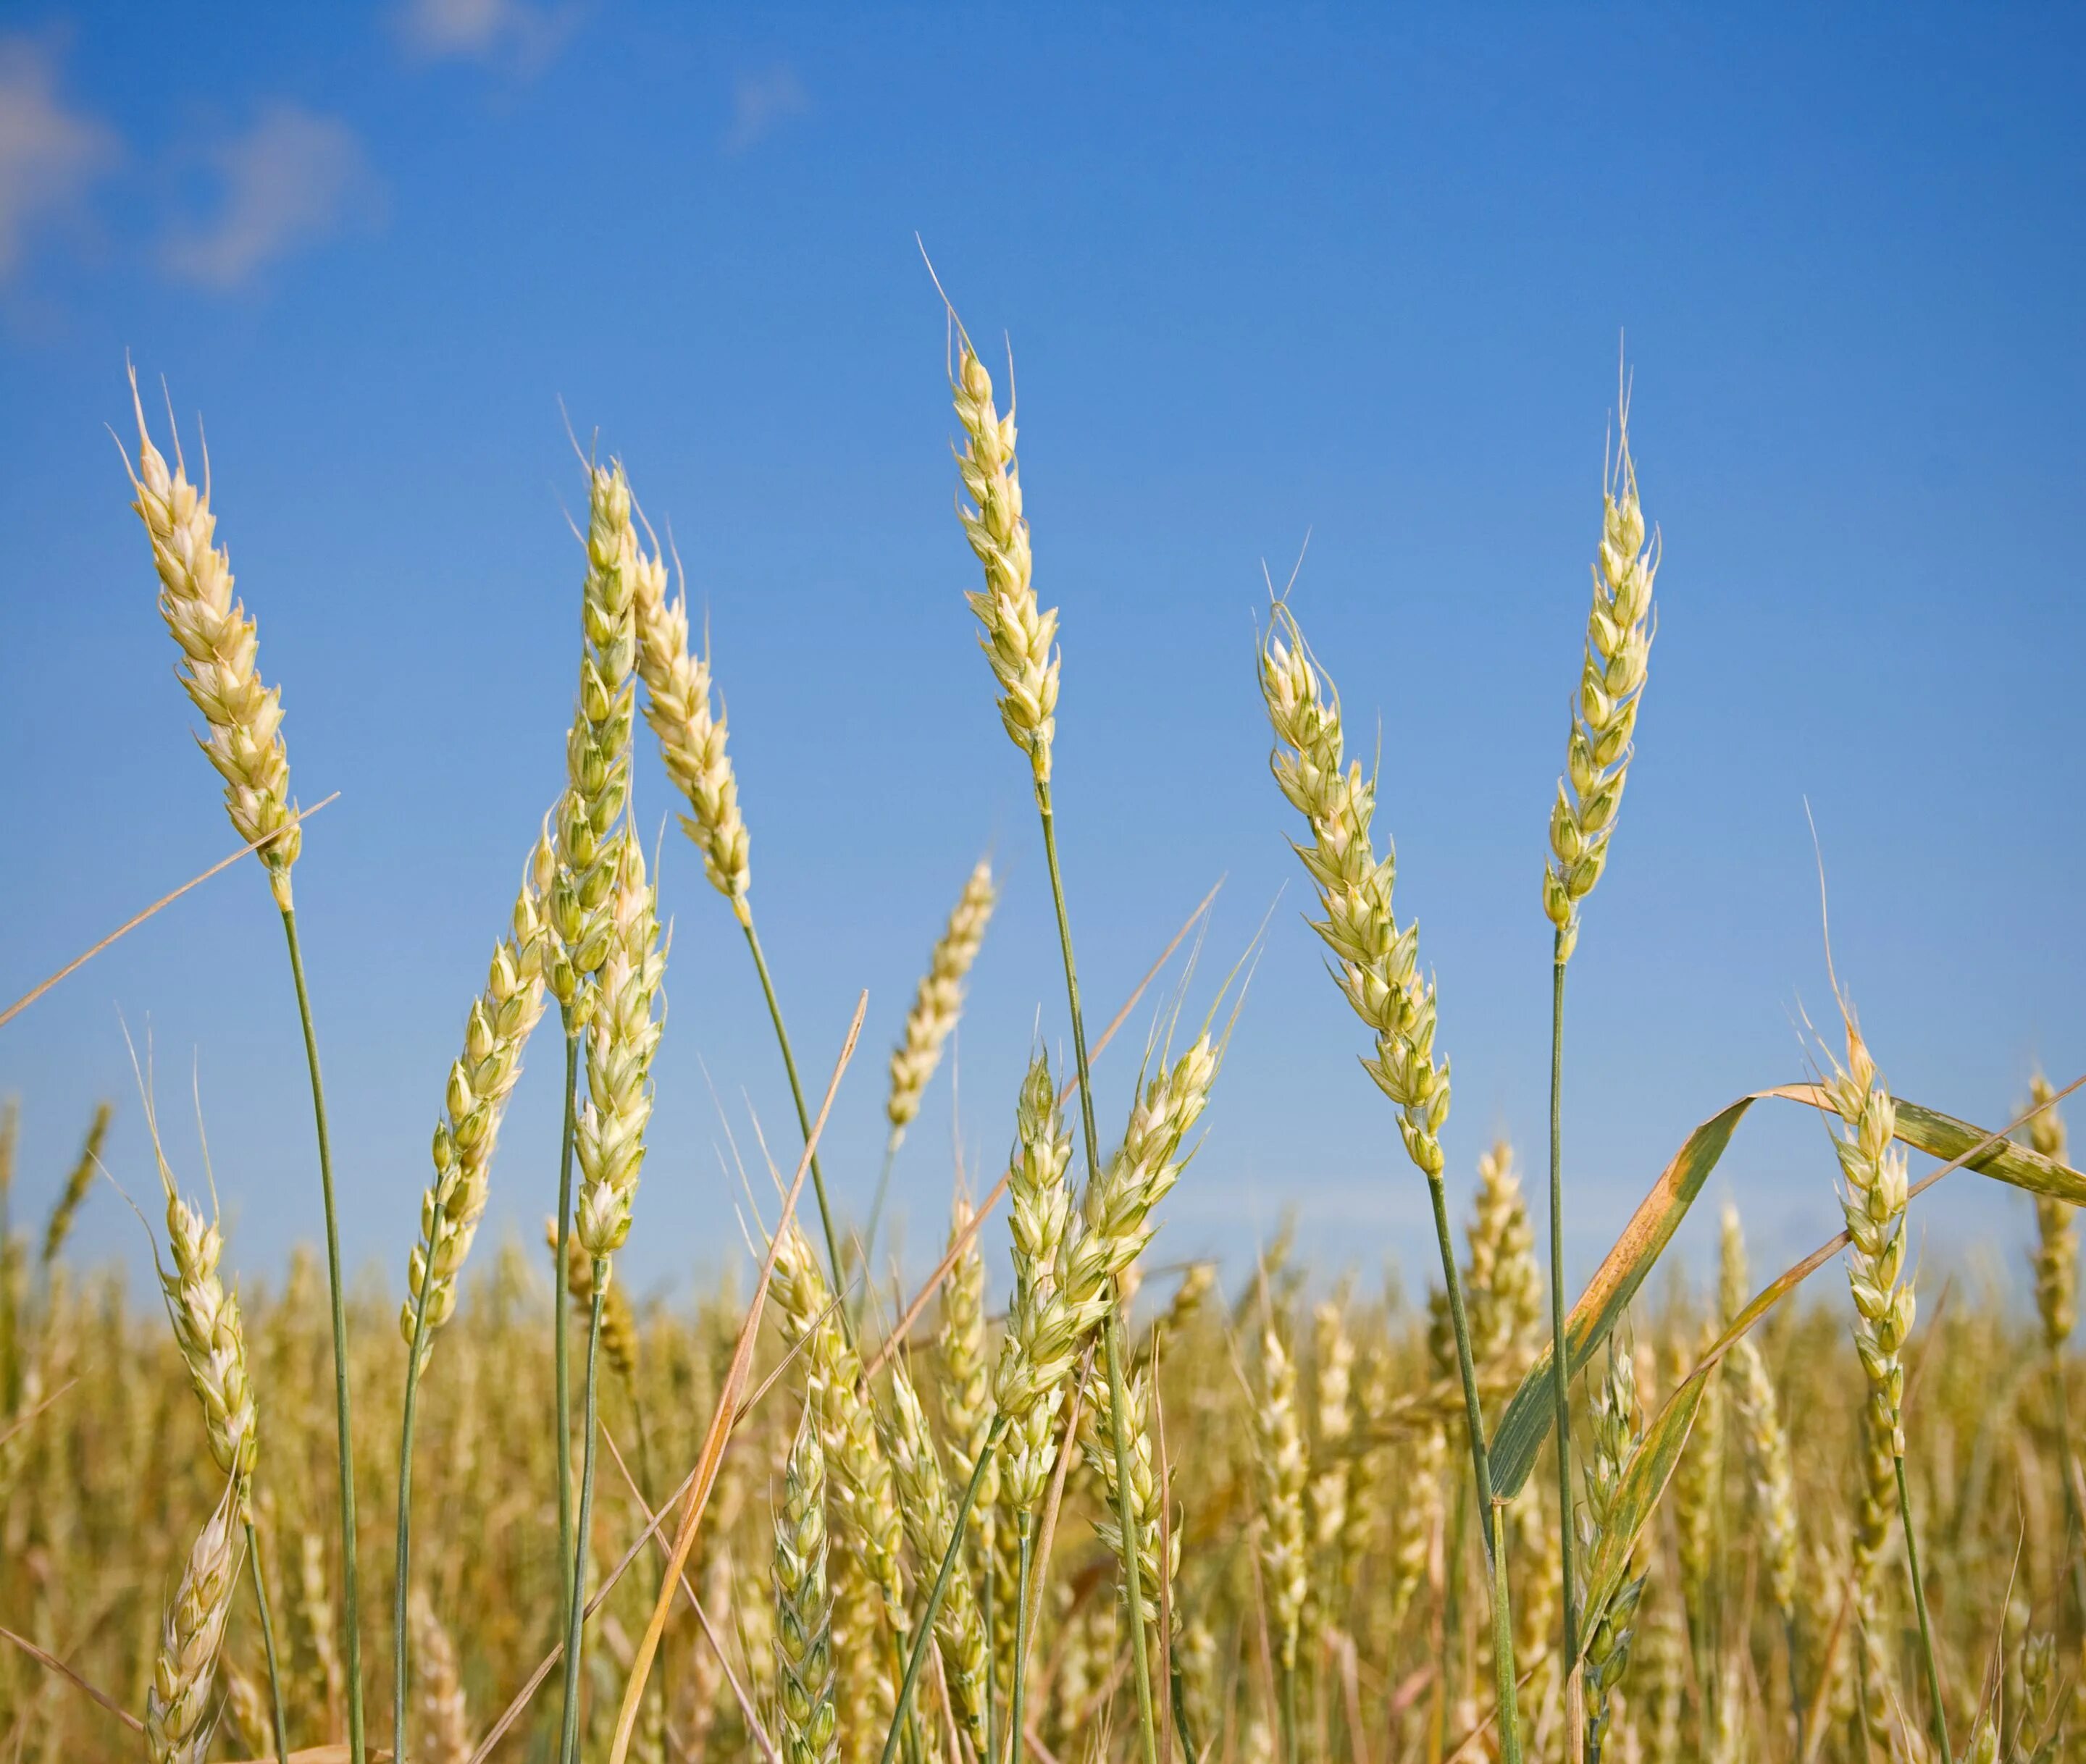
803,1120
561,1349
1559,1360
1025,1549
278,1725
576,1620
1492,1535
401,1672
923,1633
350,1580
1111,1325
1919,1604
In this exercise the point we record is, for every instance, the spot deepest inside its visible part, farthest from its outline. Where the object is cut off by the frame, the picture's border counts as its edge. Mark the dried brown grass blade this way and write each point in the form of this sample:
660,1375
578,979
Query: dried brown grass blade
1644,1481
719,1436
961,1241
653,1524
1526,1424
131,924
52,1663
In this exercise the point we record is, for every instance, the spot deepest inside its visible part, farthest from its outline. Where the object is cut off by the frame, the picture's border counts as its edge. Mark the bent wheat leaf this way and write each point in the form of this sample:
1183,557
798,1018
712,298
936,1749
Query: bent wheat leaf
1526,1422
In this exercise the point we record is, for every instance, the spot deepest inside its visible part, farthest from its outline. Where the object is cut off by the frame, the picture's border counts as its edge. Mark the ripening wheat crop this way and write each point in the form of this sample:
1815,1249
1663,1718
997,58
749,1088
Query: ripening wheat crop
1129,1509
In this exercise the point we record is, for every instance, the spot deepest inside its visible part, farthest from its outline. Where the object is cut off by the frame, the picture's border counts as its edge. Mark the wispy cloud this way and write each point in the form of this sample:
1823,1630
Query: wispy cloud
295,179
761,104
522,36
51,153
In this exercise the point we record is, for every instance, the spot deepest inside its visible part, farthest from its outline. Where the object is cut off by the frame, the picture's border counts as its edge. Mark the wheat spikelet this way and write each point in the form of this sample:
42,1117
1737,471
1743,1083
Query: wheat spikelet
609,1136
445,1725
1503,1285
1018,638
804,1605
218,645
596,749
866,1696
863,1490
247,1704
1115,1220
324,1680
939,1001
2055,1257
1417,1519
211,1338
1772,1480
81,1177
1604,714
1618,1426
929,1515
967,1375
1146,1496
495,1033
1378,963
178,1716
1285,1468
691,736
1036,1353
1698,1481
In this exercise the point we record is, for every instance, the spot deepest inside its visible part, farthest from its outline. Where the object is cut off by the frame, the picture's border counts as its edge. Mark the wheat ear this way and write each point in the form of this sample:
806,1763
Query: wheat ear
78,1181
1285,1470
1378,973
939,1001
1873,1200
495,1032
804,1603
179,1717
929,1512
219,645
217,642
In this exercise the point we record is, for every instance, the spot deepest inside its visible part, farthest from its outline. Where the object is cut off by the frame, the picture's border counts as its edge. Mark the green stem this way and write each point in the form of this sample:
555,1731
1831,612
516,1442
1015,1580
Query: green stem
1289,1711
923,1636
803,1115
1919,1604
991,1755
560,1344
575,1621
1509,1712
268,1648
1560,1361
349,1581
403,1577
1025,1550
1112,1324
1180,1724
1481,1469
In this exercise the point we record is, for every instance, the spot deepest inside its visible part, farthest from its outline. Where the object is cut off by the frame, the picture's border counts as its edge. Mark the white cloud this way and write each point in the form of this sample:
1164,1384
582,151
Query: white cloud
760,103
50,154
294,179
523,35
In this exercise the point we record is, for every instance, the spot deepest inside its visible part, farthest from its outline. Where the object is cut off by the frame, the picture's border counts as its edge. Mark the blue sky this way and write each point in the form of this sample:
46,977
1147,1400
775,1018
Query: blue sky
1355,273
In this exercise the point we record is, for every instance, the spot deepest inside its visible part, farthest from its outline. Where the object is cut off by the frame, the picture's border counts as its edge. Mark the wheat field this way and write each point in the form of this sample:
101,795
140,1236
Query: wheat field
1124,1507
